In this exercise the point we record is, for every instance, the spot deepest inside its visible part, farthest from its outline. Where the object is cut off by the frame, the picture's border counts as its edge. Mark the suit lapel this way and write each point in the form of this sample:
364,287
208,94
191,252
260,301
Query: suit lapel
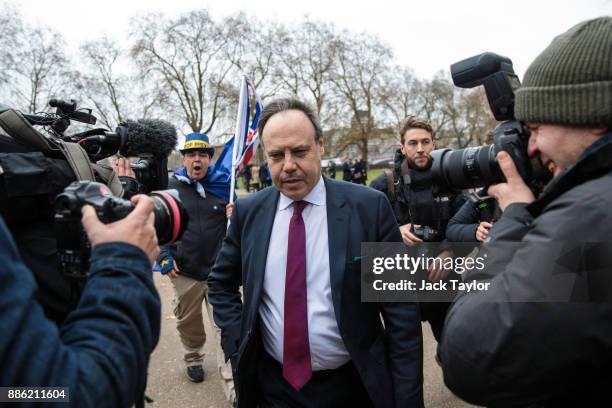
260,234
337,233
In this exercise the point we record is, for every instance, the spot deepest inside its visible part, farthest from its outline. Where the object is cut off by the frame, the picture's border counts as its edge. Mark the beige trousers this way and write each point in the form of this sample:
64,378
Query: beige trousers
189,297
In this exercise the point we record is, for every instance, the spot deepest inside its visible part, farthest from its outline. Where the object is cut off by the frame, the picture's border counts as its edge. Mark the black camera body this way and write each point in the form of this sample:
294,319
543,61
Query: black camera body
426,233
477,166
36,168
73,247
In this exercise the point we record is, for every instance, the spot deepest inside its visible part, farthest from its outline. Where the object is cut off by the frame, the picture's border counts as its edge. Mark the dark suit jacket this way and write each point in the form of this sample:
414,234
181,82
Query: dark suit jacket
388,358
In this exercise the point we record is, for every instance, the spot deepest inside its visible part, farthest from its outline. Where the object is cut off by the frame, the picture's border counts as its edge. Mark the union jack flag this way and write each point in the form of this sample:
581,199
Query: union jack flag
252,137
246,136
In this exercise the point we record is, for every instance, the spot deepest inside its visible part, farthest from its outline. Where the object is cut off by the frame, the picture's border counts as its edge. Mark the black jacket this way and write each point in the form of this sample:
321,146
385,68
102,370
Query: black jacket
462,227
195,253
347,172
504,354
388,357
419,202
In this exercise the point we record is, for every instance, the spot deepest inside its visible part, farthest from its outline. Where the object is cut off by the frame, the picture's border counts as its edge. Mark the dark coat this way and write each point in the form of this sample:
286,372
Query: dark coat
360,174
101,352
503,354
347,172
462,227
195,253
415,203
388,359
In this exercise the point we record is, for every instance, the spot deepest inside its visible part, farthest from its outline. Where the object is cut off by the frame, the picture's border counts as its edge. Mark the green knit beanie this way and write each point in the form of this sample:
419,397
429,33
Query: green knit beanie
570,82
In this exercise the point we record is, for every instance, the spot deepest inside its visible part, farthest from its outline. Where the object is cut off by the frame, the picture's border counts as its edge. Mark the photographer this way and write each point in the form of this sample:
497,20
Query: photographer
474,219
102,352
501,353
422,210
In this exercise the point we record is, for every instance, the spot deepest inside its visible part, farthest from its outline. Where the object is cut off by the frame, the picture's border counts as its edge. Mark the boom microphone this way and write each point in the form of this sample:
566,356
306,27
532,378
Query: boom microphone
153,136
131,138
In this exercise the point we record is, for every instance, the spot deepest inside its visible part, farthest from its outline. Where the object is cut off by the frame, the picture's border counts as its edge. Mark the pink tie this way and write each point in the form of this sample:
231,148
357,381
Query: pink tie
296,349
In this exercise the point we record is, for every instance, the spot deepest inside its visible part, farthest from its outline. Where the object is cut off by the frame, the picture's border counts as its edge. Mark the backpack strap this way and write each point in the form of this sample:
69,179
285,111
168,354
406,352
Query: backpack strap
390,185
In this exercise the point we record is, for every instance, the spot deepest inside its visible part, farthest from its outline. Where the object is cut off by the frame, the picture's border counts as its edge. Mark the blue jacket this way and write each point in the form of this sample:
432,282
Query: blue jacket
101,352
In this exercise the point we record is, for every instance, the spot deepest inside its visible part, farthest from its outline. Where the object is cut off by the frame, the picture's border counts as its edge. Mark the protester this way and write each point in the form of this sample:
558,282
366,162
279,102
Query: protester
188,261
302,336
101,353
421,207
499,352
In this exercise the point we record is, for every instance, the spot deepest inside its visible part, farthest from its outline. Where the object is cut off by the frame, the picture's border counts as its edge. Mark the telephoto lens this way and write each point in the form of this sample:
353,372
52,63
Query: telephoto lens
170,216
73,247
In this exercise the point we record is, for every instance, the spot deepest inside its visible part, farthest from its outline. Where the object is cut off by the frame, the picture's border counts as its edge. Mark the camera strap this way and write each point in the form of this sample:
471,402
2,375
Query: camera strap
110,178
78,160
17,127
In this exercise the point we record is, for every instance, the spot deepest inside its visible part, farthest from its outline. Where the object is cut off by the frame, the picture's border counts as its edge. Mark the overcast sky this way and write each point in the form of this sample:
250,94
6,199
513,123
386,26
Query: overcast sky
427,35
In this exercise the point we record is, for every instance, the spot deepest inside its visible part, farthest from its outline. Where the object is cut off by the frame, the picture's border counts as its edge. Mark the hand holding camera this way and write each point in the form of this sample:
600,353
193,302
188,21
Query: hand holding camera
408,236
136,229
514,190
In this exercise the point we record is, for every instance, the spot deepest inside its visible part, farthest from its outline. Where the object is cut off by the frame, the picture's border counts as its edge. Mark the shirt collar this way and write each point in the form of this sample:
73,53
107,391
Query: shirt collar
316,196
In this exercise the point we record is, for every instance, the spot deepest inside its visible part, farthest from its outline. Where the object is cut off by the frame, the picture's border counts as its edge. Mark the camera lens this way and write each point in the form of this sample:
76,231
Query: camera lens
465,168
170,216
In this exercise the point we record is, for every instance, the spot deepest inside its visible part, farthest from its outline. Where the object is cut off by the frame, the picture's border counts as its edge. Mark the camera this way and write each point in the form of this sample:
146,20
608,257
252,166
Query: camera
477,166
39,158
427,234
73,247
152,140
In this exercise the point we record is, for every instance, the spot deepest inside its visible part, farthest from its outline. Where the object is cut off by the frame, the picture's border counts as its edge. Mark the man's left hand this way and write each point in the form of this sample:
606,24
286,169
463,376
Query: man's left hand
514,190
229,208
435,274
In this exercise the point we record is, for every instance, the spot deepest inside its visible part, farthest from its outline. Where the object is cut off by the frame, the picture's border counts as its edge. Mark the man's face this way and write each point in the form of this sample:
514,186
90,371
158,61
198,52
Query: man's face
294,158
557,146
417,147
196,162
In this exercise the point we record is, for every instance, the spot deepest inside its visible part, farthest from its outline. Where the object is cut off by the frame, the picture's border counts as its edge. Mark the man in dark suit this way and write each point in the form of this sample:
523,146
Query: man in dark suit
301,337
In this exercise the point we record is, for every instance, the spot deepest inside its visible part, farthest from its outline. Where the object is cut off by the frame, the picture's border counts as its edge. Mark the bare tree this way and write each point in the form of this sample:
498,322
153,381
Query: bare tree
307,57
434,98
359,60
38,67
100,85
470,118
251,50
11,30
188,57
401,94
460,117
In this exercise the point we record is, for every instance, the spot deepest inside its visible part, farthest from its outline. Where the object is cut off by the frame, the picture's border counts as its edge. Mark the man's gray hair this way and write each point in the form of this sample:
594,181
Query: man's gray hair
286,104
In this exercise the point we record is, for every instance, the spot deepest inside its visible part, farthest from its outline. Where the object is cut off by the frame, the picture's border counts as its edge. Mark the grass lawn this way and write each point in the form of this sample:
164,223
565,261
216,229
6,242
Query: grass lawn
372,174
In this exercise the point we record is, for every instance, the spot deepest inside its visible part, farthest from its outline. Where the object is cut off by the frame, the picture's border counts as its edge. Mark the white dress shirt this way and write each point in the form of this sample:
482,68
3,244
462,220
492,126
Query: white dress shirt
327,350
